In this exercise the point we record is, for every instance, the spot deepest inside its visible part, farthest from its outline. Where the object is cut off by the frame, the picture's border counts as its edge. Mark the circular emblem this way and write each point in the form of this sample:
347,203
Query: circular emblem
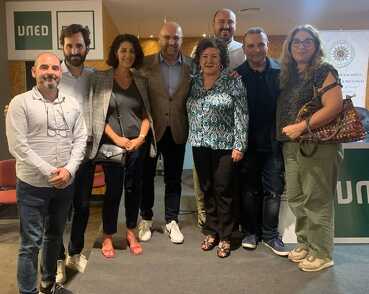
341,53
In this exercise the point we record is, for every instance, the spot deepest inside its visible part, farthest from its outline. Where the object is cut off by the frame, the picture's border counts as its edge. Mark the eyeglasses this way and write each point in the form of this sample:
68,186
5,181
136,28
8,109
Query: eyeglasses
307,43
59,125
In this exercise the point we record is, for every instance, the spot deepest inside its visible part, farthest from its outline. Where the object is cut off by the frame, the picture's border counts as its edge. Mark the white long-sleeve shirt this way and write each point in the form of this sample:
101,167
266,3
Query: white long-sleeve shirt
44,135
236,54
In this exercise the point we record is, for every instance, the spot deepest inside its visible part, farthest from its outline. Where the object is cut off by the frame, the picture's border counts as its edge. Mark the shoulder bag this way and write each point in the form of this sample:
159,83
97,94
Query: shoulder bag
346,127
111,154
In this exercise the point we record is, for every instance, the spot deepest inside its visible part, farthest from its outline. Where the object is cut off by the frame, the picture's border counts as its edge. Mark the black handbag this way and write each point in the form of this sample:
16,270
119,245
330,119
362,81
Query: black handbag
111,154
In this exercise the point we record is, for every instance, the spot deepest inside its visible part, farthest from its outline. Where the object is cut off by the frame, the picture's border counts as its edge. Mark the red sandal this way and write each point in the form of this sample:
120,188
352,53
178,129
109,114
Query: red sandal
107,248
134,246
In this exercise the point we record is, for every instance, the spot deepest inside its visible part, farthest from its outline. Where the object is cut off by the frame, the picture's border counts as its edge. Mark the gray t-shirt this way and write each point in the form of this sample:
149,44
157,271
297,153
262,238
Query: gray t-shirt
131,110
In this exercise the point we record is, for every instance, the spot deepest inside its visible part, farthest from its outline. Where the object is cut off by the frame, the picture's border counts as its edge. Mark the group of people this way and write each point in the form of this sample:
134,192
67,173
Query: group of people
245,146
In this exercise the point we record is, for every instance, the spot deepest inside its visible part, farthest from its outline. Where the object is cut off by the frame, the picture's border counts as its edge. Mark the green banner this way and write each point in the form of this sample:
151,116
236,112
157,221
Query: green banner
352,201
33,30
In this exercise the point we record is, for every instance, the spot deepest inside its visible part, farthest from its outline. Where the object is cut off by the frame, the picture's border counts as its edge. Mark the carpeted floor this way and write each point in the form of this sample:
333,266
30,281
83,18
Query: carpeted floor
185,269
168,268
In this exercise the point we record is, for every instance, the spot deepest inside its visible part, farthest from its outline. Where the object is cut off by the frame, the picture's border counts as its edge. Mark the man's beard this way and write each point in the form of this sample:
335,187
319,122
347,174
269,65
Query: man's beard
50,81
171,51
75,60
227,38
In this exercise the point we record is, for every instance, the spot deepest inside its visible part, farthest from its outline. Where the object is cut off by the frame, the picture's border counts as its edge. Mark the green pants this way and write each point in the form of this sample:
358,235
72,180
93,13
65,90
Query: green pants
311,186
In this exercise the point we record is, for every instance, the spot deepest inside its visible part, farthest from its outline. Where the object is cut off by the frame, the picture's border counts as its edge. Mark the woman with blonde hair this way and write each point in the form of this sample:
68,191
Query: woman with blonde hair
311,175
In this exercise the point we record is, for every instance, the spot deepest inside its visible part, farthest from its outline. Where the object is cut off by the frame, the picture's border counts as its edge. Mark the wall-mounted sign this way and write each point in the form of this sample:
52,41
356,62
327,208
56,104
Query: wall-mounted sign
64,18
34,27
352,201
33,30
348,52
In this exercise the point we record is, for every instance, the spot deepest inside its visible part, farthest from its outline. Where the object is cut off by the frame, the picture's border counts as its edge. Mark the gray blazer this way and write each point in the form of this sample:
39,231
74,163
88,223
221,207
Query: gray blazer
100,93
168,111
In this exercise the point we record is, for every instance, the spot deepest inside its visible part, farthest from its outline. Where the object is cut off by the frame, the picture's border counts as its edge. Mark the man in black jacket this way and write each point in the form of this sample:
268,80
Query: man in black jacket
261,170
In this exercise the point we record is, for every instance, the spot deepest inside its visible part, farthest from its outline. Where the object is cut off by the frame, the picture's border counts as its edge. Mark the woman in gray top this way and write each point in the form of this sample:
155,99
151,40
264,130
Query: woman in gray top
120,90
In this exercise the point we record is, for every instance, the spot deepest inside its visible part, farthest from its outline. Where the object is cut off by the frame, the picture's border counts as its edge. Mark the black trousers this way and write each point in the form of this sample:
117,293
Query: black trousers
215,169
262,183
131,177
81,203
173,157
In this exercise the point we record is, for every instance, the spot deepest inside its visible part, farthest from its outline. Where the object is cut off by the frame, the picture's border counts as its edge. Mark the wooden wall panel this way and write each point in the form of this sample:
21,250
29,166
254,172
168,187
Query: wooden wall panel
17,77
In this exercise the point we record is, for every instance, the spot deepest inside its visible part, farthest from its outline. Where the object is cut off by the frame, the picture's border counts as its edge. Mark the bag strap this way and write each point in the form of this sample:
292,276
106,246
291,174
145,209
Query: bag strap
326,88
119,117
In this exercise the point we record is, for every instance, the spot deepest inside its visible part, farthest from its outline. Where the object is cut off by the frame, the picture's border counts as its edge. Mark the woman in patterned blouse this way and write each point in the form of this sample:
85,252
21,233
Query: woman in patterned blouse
311,177
218,122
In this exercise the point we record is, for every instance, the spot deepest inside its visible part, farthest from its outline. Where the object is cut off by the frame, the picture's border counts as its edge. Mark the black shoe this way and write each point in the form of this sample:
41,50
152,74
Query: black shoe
277,246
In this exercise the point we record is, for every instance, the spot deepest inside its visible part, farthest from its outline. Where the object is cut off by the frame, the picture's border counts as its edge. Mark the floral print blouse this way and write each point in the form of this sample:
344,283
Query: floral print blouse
218,117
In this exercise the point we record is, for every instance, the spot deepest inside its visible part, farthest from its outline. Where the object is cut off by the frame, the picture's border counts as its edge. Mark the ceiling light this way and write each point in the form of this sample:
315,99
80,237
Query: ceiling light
254,9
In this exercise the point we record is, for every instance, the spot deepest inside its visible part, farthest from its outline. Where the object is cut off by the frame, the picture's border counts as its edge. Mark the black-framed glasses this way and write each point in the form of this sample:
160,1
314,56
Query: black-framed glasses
58,126
307,43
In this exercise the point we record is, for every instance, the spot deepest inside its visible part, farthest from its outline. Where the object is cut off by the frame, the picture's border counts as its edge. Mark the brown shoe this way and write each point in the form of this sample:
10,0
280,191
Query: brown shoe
298,253
224,249
209,242
313,264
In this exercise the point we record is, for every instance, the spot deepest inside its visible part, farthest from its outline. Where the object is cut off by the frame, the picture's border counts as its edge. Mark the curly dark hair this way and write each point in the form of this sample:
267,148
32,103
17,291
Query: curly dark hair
212,43
112,57
72,29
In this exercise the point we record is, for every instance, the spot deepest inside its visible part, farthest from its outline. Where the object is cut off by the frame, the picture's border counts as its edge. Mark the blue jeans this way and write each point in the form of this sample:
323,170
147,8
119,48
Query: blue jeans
42,212
262,183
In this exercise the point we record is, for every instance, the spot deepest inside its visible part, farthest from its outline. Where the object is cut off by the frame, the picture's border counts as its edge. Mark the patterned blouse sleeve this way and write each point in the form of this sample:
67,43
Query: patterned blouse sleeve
241,115
322,73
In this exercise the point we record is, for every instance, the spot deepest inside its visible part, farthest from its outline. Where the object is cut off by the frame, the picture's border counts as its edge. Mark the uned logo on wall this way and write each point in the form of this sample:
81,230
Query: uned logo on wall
33,30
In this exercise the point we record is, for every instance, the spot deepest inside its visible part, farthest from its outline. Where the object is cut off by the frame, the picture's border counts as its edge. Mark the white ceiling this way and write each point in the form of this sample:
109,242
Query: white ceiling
277,17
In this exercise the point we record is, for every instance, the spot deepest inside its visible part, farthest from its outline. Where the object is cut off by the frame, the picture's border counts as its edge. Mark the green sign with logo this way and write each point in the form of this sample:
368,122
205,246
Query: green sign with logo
33,30
352,201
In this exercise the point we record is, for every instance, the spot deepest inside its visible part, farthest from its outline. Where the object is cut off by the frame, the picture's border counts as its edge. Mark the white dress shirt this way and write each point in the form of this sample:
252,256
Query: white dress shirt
44,135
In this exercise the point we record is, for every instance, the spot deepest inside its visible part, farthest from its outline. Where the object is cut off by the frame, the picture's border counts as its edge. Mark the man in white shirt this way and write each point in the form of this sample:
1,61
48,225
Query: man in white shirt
75,82
47,136
224,27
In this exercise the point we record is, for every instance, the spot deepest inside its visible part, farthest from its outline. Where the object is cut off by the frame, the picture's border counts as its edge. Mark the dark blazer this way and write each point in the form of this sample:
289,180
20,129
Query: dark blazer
168,111
100,93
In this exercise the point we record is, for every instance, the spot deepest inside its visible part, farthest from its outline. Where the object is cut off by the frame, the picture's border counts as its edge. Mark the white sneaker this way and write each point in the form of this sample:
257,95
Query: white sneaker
174,232
77,262
144,230
61,276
